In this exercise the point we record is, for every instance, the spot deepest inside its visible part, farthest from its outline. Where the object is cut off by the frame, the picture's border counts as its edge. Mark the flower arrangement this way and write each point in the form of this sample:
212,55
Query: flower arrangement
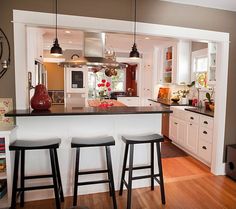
183,93
104,89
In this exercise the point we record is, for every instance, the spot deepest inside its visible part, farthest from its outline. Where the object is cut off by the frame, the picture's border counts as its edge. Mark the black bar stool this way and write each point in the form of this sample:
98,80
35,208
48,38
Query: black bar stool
86,142
131,141
20,146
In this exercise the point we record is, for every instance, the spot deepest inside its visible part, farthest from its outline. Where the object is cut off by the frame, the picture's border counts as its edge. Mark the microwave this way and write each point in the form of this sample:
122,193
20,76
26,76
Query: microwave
76,79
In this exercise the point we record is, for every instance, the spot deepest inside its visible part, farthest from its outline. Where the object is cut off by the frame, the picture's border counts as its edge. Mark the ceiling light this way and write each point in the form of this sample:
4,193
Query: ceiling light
147,38
134,52
67,31
56,50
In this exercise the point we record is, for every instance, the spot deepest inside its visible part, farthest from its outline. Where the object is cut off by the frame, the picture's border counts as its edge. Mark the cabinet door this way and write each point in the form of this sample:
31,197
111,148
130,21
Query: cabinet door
182,132
192,137
165,124
173,129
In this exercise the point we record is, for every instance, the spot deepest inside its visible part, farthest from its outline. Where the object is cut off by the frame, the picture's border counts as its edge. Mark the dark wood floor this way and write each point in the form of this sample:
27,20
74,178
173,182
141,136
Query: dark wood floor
188,185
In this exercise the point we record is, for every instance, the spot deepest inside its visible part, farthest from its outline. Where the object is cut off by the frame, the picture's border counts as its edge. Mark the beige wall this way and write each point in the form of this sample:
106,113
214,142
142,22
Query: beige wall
152,11
198,46
55,76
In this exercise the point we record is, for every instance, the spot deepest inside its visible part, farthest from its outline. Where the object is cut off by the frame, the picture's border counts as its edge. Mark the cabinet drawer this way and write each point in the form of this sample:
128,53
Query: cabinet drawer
204,150
192,117
206,122
206,134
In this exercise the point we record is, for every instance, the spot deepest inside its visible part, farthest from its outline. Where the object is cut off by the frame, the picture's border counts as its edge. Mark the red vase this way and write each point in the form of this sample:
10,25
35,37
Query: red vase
41,100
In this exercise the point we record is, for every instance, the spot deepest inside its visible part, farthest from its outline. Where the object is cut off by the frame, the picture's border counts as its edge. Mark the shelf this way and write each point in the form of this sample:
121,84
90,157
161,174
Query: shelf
2,155
168,72
3,175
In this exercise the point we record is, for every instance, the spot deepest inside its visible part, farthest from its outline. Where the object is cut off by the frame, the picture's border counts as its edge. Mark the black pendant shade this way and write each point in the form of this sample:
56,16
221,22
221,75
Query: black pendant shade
56,50
134,52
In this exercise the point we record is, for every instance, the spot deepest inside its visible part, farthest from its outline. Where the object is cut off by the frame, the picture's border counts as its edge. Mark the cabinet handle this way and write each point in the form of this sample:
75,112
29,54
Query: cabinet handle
204,132
176,123
204,147
190,124
192,118
205,122
231,166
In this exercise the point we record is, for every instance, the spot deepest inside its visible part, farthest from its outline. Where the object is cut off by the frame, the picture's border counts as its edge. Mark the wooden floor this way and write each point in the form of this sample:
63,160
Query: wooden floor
188,185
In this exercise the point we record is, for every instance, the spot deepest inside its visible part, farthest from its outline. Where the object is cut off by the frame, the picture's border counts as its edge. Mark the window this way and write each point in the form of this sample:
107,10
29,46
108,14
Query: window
201,64
117,82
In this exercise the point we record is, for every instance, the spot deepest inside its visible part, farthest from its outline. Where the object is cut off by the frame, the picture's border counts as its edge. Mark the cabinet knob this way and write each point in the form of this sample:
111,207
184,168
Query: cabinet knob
205,122
204,132
192,118
176,123
204,147
190,124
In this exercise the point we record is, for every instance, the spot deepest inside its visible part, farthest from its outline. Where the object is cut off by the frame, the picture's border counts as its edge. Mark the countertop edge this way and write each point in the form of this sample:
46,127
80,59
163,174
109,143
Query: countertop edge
198,112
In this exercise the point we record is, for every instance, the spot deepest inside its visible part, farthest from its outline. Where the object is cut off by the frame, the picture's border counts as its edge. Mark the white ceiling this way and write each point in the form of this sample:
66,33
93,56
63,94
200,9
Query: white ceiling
217,4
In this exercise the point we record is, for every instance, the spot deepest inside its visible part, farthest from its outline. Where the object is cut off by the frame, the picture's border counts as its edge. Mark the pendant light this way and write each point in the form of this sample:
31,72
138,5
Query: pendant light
134,52
56,49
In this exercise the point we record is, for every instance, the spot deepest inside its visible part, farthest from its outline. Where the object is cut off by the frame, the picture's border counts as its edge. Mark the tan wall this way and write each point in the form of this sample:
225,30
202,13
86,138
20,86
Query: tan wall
198,45
55,76
152,11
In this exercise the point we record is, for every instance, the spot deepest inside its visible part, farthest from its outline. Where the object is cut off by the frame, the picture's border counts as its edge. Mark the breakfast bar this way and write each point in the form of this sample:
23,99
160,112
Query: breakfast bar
87,122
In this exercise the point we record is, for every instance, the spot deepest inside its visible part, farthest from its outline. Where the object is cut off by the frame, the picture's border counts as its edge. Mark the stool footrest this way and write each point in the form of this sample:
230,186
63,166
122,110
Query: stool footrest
92,172
92,182
38,176
144,177
35,188
139,167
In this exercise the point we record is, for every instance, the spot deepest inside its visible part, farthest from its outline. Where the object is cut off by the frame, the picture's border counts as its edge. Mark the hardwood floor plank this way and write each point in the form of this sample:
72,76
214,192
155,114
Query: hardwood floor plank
188,185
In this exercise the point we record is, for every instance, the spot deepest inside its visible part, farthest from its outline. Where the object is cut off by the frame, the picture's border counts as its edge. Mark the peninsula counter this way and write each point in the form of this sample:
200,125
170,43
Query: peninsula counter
85,122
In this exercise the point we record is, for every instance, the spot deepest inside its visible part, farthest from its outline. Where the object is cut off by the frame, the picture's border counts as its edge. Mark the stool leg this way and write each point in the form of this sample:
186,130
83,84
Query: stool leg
123,169
110,188
15,179
111,178
131,157
58,175
22,178
161,173
152,166
76,177
55,183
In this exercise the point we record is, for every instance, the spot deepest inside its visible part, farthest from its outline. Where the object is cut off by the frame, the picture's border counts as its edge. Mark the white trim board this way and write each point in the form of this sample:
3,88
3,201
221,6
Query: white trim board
21,19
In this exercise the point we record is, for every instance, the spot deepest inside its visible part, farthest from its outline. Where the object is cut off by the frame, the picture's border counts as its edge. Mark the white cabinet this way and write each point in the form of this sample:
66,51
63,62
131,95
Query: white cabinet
192,137
129,101
192,132
175,62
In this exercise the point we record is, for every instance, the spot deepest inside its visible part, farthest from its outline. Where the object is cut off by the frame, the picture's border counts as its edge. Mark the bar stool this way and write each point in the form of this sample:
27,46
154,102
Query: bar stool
20,146
131,141
91,142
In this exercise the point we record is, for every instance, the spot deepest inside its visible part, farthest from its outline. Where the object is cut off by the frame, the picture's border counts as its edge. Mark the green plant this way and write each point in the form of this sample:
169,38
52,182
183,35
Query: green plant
209,97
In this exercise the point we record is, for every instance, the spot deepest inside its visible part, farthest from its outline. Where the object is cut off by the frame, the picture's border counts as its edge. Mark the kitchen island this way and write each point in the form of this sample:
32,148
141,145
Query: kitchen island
66,123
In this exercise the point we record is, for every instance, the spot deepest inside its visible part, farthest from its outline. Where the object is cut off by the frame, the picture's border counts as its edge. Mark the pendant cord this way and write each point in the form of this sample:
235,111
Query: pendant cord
135,15
56,19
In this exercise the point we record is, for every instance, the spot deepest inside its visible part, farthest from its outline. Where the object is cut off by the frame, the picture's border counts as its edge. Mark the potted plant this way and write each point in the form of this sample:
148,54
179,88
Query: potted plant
209,104
183,94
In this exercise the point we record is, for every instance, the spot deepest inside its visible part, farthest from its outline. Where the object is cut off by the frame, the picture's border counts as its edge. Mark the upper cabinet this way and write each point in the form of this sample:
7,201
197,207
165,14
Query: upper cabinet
212,50
173,63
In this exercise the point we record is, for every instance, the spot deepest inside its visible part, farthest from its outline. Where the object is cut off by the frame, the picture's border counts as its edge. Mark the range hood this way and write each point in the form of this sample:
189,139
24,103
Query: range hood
94,53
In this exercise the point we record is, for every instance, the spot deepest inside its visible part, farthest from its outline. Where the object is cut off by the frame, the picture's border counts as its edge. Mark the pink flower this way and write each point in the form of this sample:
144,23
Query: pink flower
109,89
102,84
108,84
103,81
99,85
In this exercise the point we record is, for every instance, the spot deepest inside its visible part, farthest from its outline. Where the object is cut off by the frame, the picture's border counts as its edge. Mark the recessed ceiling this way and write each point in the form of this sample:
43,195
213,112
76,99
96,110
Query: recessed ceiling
217,4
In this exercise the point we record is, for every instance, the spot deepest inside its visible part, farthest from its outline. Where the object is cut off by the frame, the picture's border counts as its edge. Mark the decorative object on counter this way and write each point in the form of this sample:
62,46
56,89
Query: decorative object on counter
183,94
106,104
130,92
41,100
175,99
110,72
163,93
209,105
57,96
104,89
56,50
4,62
134,52
6,105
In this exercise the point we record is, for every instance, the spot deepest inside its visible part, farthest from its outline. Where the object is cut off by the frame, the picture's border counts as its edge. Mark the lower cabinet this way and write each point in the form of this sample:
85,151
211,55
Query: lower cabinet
193,133
192,137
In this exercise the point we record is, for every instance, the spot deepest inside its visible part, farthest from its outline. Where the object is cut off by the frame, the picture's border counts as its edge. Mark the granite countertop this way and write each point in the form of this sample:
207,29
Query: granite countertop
167,102
62,111
201,111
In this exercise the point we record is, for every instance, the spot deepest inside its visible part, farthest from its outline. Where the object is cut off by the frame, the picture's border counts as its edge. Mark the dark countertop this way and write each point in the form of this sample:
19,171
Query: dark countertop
201,111
167,102
62,111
